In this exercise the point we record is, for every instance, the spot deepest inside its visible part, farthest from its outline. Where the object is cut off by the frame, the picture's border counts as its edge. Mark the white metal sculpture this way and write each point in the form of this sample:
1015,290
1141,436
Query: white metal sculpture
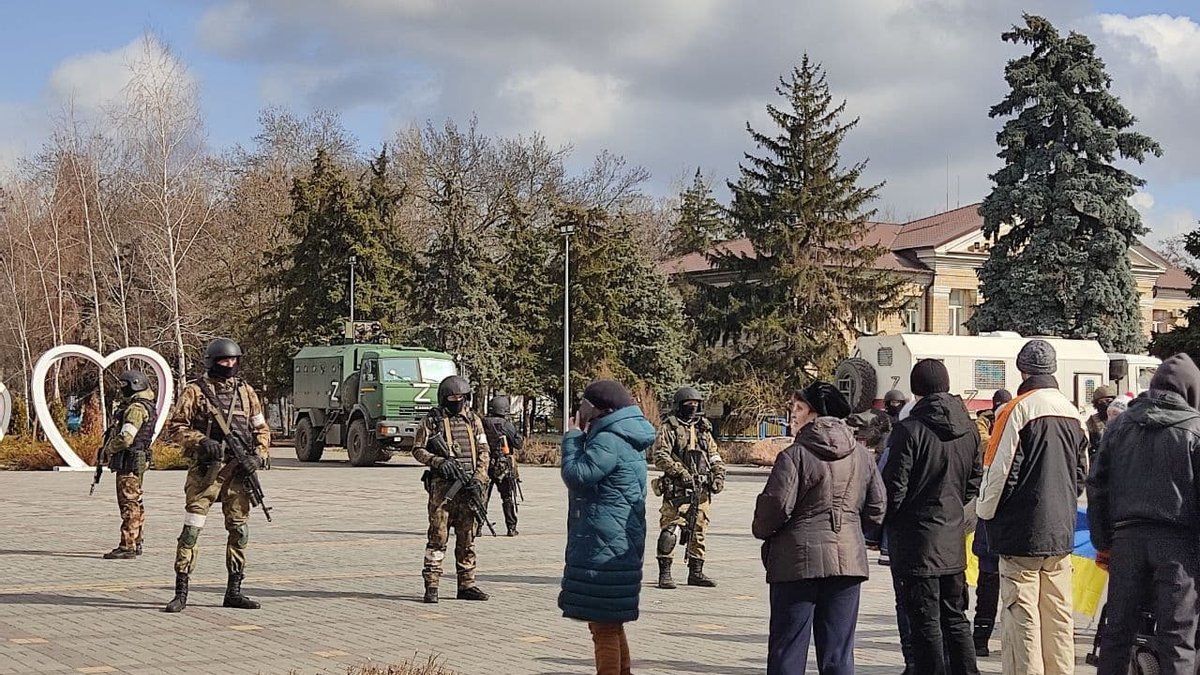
166,390
6,408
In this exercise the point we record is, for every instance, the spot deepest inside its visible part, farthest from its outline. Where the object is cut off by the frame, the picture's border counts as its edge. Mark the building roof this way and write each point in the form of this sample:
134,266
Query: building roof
903,241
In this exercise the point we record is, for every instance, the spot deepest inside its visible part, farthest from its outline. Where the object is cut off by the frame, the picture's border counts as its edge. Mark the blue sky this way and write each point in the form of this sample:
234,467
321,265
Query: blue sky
669,84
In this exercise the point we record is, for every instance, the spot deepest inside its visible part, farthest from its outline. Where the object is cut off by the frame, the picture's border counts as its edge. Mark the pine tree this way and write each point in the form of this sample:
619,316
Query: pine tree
701,221
1063,269
386,262
791,308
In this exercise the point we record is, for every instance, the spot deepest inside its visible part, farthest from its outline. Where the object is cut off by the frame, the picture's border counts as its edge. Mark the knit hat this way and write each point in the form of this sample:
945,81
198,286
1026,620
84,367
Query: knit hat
1037,357
929,376
1104,391
825,400
608,395
1001,397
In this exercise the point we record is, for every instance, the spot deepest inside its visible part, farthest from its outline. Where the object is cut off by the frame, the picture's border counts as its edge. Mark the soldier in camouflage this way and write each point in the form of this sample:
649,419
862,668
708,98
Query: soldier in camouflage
127,449
463,434
688,456
504,441
213,474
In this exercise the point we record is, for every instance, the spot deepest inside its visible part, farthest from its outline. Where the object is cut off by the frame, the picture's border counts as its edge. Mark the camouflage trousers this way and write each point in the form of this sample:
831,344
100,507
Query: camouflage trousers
205,485
133,511
441,518
676,516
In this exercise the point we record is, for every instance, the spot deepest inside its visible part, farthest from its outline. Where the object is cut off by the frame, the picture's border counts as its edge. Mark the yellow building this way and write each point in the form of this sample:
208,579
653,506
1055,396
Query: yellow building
939,257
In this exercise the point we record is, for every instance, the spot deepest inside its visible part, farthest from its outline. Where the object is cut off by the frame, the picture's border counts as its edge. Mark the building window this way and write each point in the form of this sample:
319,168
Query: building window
989,374
866,325
962,307
884,357
912,316
1161,321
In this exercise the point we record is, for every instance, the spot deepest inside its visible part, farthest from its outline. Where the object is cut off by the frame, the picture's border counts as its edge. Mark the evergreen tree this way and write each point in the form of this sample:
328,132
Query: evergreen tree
386,262
701,221
1063,269
791,308
333,218
1184,338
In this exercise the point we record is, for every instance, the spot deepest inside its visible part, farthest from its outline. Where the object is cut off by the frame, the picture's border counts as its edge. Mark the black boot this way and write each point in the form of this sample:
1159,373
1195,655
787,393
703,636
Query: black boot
178,602
431,594
233,594
138,549
472,593
120,554
980,638
664,574
696,574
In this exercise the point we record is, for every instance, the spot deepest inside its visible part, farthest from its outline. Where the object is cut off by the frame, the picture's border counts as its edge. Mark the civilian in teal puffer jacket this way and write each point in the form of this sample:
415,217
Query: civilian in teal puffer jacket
604,468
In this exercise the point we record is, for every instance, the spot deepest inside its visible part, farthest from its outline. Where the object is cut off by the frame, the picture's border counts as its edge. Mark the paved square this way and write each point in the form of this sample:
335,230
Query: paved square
338,574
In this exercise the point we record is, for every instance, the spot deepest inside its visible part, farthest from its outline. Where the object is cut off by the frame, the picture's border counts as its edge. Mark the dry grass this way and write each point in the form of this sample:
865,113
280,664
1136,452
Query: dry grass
27,453
539,451
758,453
414,666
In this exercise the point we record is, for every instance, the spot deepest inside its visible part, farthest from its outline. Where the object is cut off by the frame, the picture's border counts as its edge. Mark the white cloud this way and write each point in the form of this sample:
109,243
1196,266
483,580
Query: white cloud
566,104
93,80
1163,221
1142,201
1170,44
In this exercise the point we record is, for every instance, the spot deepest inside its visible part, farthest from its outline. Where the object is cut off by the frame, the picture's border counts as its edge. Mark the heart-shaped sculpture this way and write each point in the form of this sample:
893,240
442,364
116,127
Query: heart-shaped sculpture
5,410
166,390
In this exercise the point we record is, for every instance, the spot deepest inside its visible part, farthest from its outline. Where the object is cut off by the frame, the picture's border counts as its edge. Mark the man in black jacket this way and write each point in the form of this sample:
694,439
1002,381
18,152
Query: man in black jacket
1144,512
933,470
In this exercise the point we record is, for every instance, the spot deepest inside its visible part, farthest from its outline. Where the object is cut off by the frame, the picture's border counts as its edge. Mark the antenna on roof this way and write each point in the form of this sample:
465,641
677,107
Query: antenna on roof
947,182
957,190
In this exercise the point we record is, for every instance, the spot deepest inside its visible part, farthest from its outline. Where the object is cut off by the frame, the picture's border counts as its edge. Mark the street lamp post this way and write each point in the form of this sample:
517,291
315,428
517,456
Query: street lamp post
353,260
567,228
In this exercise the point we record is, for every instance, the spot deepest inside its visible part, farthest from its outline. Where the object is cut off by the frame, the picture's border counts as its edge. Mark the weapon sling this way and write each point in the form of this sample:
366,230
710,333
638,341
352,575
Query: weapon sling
226,427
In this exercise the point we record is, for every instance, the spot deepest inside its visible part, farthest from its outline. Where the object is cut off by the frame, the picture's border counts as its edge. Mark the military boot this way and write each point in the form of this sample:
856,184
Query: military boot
120,554
431,594
178,602
696,574
664,573
137,550
472,593
233,594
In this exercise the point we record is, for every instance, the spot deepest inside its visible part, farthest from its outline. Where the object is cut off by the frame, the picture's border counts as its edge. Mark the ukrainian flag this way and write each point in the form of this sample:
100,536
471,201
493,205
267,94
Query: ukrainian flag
1088,580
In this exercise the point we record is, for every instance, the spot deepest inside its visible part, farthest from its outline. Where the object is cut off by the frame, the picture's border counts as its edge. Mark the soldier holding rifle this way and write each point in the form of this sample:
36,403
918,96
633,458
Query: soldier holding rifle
452,443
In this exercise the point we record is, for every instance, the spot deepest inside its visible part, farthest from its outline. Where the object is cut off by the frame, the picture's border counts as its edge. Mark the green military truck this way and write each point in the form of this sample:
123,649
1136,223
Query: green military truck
368,398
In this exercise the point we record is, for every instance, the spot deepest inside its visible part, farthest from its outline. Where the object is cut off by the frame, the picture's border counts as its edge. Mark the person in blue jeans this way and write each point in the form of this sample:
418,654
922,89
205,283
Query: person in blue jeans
824,491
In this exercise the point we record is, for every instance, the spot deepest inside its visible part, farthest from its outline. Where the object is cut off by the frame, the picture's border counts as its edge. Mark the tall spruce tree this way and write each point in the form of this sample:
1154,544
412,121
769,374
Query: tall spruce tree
792,306
701,221
1063,269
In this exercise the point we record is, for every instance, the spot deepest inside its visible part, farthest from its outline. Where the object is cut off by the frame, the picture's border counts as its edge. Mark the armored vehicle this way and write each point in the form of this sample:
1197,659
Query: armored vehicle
368,398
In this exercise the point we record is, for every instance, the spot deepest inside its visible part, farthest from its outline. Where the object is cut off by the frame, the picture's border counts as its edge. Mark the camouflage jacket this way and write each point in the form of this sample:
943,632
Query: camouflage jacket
678,439
131,421
190,422
464,429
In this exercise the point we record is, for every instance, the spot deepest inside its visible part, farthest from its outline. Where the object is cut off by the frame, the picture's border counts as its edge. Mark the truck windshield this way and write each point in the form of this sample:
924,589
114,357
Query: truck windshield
399,370
1144,377
436,370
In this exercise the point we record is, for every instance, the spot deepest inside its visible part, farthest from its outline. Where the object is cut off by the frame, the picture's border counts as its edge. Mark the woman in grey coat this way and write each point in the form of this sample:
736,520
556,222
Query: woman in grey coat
824,491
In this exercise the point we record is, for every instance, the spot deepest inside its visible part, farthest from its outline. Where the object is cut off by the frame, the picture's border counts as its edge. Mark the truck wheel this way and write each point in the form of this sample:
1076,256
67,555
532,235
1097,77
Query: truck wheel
307,447
360,446
855,378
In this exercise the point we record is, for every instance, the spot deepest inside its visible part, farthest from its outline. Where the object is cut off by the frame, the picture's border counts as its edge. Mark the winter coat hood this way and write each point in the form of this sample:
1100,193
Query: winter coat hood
1180,375
1159,408
629,423
945,415
828,438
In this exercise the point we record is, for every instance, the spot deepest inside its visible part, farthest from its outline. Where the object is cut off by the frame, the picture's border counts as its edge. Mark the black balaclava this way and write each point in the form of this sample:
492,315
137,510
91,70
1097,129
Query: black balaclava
455,407
225,372
688,410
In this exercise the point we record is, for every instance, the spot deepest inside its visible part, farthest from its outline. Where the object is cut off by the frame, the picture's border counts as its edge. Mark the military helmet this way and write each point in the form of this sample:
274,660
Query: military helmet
499,406
454,385
686,394
895,395
1104,391
221,348
134,380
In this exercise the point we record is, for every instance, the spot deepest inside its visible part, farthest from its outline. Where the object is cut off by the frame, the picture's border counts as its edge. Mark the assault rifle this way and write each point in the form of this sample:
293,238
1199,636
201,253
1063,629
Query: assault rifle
691,496
100,456
236,446
461,479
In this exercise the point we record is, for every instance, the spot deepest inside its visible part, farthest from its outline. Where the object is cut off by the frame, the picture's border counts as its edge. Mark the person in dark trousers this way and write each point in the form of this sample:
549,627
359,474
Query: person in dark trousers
987,591
933,470
1144,516
824,491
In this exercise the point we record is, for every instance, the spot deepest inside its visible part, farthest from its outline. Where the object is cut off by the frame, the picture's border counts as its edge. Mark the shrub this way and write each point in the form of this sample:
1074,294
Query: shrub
413,666
757,453
539,451
28,453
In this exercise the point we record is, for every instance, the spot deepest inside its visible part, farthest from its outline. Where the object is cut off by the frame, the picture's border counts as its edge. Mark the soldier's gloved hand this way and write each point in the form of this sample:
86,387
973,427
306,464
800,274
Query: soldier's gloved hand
249,464
718,484
684,477
446,468
209,451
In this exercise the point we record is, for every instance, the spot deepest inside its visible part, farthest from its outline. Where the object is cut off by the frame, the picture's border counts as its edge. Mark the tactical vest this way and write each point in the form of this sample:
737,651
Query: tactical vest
222,395
145,434
687,448
457,429
493,428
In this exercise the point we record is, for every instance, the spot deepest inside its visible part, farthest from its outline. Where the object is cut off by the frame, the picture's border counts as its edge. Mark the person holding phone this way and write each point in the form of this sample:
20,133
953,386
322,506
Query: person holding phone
604,469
